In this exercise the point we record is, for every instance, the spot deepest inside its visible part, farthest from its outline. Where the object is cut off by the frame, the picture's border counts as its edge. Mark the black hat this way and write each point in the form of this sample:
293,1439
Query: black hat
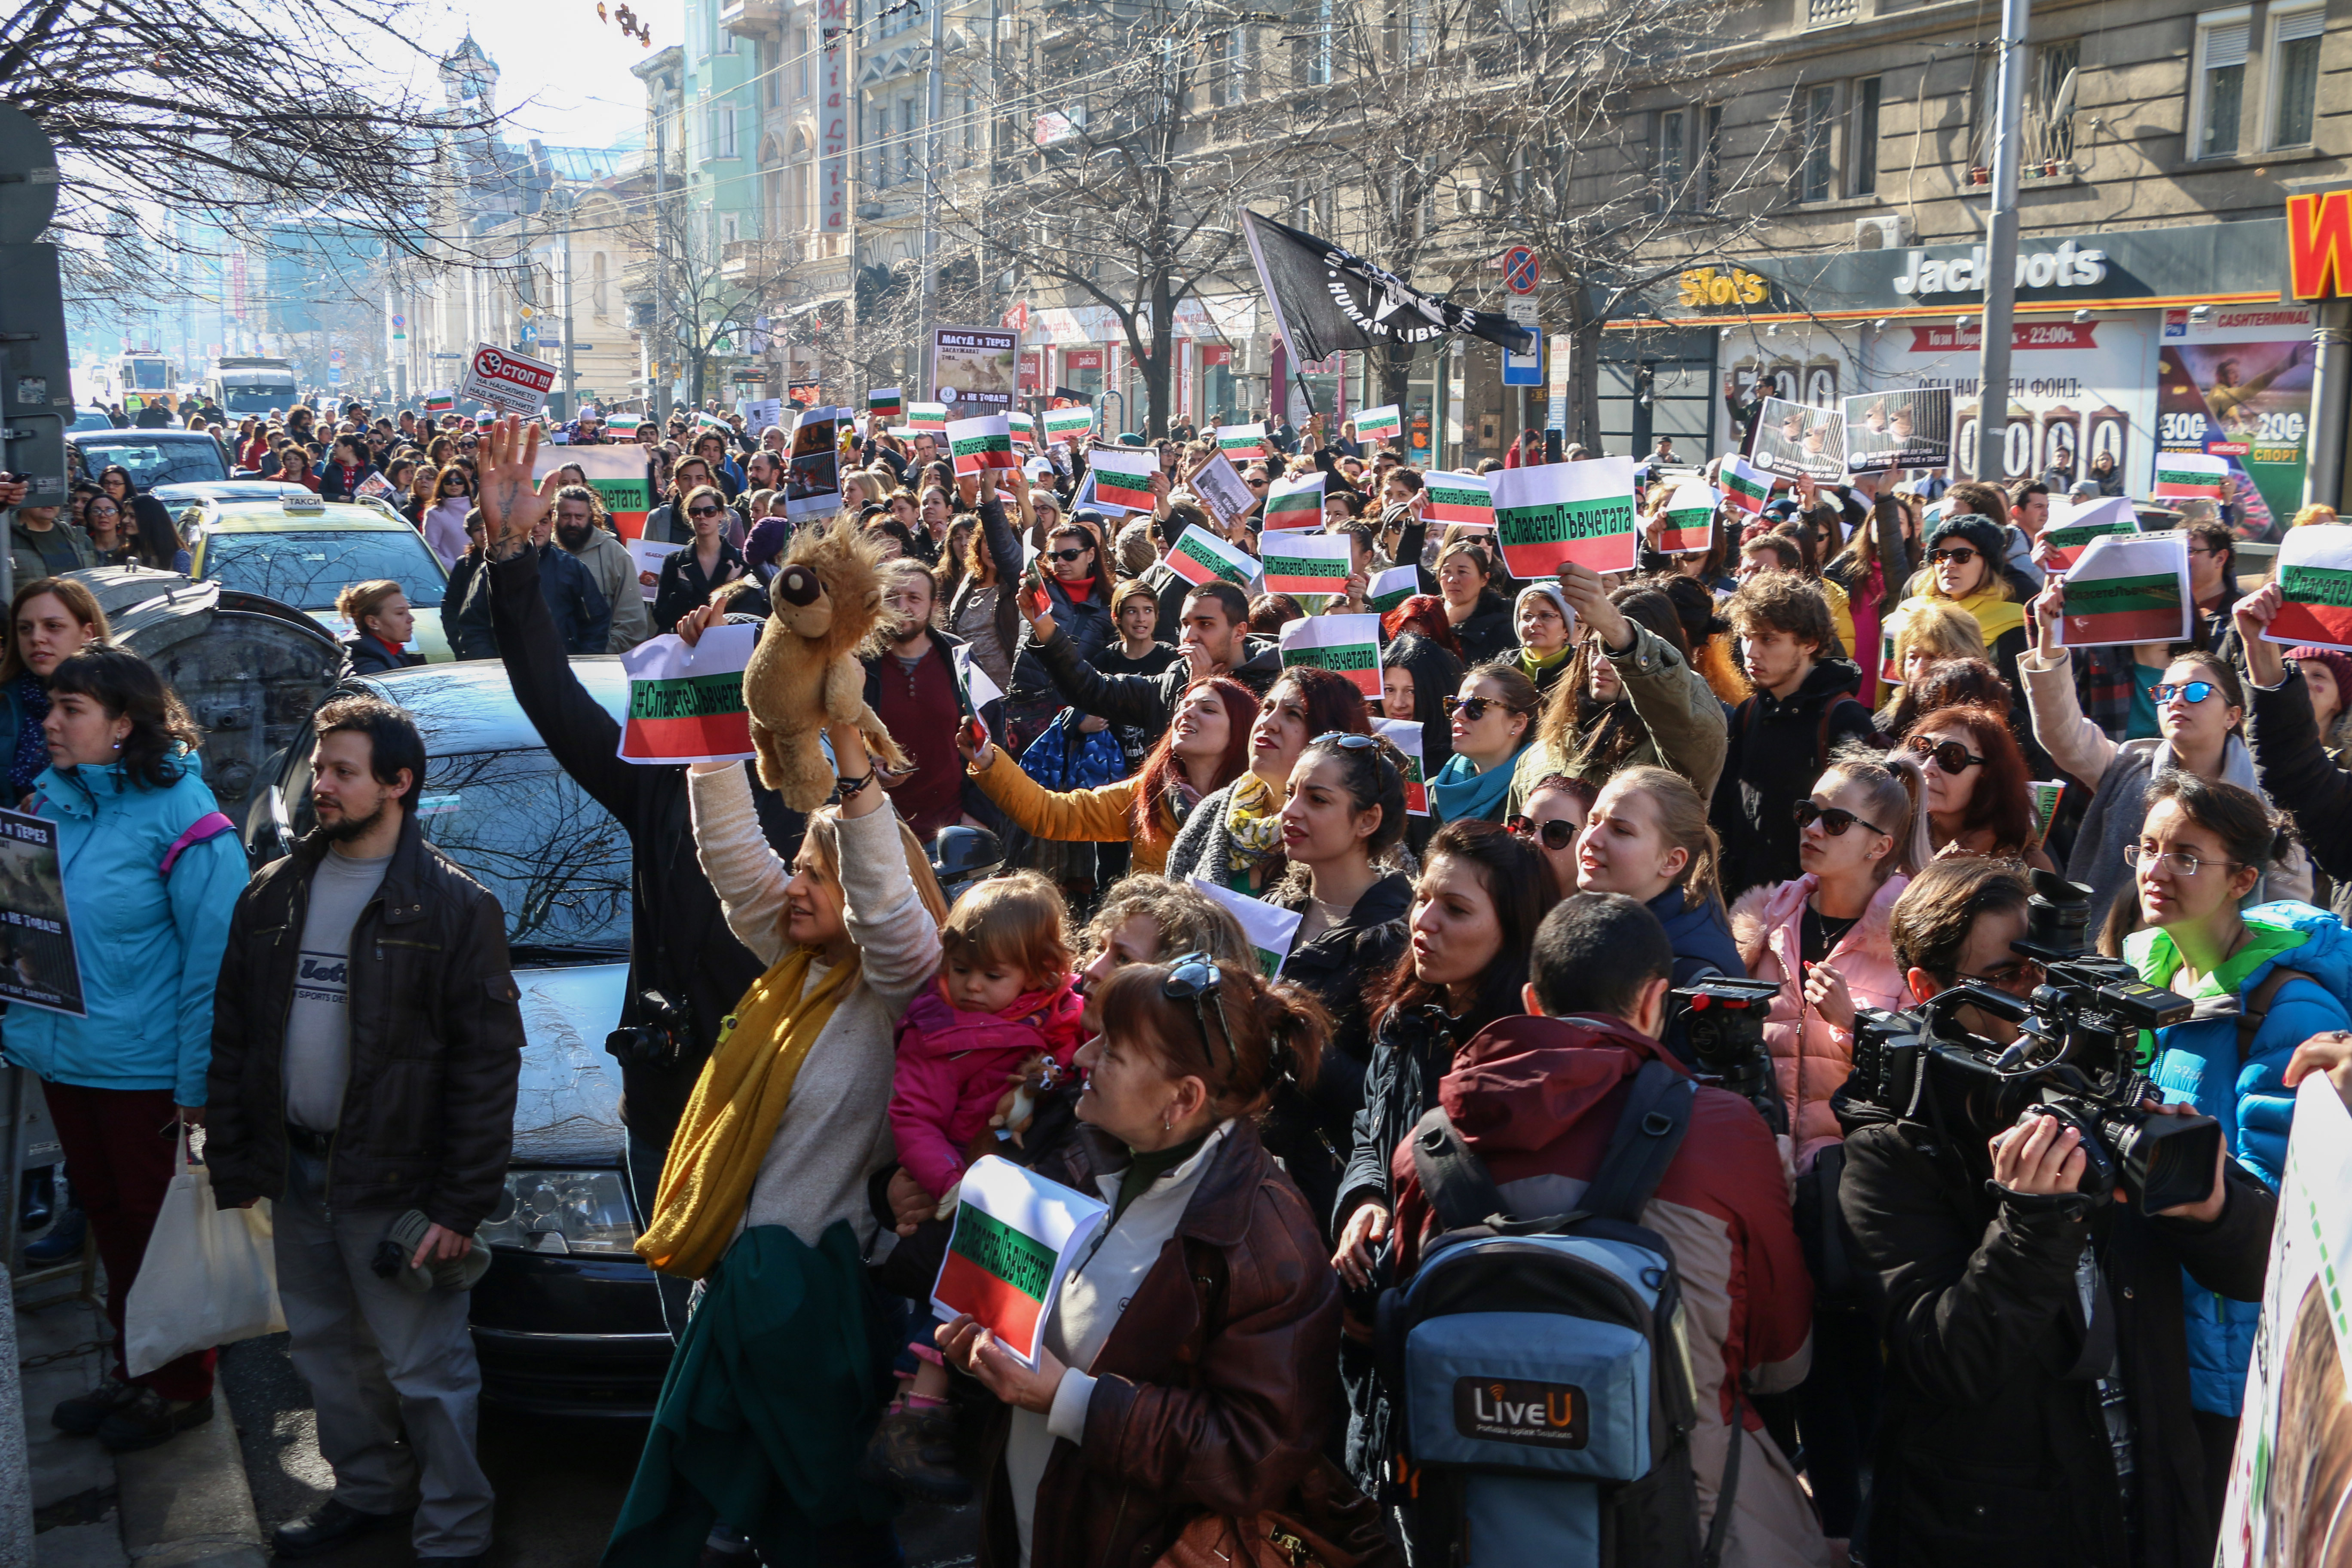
1973,528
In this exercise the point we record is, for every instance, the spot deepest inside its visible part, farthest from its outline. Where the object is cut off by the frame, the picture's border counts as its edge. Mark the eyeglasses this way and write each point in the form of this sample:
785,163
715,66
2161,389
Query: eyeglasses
2181,862
2188,690
1066,555
1190,978
1957,557
703,511
1472,708
1949,755
1557,832
2019,976
1834,819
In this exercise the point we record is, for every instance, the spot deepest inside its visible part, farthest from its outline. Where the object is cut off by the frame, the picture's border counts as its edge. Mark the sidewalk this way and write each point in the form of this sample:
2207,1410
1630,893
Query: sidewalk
178,1506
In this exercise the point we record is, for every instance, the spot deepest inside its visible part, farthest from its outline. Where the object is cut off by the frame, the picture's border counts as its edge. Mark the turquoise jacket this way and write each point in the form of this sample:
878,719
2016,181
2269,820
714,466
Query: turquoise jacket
2199,1062
149,945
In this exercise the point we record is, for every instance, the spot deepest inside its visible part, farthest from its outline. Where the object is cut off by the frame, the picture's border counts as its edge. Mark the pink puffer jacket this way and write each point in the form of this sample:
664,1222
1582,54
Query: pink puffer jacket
1811,1058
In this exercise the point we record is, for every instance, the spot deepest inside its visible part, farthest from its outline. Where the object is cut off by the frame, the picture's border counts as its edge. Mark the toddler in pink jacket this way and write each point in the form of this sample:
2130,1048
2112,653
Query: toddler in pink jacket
1005,996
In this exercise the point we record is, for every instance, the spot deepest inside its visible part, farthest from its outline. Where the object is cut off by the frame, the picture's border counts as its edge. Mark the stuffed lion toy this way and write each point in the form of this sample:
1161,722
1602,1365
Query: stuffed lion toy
826,601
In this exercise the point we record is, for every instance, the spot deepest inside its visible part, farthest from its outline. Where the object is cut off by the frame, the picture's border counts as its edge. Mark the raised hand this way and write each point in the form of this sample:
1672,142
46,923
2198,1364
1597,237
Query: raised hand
511,506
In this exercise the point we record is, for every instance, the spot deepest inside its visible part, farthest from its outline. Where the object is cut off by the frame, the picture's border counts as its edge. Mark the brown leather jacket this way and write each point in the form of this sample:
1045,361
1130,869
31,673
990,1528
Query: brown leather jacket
1218,1390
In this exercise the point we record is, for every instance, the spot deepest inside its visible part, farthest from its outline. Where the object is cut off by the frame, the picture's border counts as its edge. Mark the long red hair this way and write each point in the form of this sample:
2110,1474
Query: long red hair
1161,770
1426,613
2000,806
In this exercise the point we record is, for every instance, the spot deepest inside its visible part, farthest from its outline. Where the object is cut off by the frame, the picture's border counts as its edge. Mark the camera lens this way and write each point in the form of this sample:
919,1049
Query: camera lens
2166,1161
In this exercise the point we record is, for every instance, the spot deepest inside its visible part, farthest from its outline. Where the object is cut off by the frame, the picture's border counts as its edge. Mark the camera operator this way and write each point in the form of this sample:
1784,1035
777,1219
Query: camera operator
2037,1404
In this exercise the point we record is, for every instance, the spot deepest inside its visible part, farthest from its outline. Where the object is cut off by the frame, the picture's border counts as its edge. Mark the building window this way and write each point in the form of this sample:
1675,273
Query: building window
800,62
911,150
1865,137
1685,156
1322,43
1674,157
971,127
2294,73
882,146
1816,170
728,231
722,133
2049,136
2219,88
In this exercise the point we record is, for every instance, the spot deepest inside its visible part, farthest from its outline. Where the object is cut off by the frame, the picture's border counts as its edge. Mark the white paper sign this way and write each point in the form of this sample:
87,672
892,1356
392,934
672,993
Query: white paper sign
2315,574
1015,1234
649,556
506,380
686,703
1406,736
1345,645
2129,589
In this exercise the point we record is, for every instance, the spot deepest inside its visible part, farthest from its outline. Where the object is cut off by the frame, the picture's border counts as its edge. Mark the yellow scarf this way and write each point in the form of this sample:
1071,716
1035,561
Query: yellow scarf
1995,617
732,1116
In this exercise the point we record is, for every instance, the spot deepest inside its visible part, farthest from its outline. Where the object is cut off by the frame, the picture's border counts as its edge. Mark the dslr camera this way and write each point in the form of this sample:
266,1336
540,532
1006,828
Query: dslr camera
658,1037
2075,1058
1722,1021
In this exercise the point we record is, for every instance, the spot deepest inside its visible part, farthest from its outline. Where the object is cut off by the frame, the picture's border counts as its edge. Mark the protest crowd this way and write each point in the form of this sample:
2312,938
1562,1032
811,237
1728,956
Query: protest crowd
1379,994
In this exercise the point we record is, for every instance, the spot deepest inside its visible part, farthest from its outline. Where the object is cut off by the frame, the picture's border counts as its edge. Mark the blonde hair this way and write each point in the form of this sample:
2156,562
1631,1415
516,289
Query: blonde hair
824,845
1898,785
1935,627
356,603
1682,821
2318,511
1018,920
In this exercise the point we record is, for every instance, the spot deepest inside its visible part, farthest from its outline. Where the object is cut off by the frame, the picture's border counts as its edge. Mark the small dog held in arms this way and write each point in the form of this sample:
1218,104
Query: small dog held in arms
824,604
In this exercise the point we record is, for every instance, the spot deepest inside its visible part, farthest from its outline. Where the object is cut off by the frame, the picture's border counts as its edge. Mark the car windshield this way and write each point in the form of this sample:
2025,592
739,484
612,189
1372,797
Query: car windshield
258,398
516,824
91,419
153,462
147,375
307,568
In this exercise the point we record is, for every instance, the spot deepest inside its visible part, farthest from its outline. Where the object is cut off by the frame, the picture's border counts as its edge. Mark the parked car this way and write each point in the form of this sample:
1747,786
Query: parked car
152,457
305,552
86,419
568,1319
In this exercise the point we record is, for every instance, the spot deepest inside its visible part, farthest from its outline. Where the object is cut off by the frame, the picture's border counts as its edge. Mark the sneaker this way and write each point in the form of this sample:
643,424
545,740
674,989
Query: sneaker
86,1412
914,1451
150,1420
326,1527
62,1242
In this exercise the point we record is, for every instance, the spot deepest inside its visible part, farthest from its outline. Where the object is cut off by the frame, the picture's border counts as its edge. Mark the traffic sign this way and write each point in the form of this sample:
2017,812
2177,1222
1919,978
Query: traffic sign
1521,269
1526,369
400,320
530,333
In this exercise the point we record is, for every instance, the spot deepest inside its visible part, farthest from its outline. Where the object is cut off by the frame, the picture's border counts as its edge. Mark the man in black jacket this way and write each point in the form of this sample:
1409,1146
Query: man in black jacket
1214,639
582,616
2037,1405
366,1045
686,971
1803,710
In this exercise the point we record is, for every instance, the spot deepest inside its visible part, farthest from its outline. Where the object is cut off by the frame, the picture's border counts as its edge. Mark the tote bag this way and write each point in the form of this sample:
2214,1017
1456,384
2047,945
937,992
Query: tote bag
209,1278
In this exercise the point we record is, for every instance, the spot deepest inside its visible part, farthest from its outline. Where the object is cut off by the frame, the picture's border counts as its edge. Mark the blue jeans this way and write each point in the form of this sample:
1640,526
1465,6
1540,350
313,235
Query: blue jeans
645,1163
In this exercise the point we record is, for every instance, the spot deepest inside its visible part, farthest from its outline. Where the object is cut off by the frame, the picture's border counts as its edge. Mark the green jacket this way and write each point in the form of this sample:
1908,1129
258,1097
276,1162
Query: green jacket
1685,720
24,556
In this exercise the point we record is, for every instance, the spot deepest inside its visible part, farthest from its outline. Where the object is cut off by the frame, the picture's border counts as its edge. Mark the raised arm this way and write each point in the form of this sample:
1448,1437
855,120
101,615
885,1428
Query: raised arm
744,870
2079,747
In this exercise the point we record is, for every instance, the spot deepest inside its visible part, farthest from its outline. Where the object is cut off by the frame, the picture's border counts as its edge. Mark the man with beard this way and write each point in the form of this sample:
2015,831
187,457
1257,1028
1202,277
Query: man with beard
374,1059
911,686
607,561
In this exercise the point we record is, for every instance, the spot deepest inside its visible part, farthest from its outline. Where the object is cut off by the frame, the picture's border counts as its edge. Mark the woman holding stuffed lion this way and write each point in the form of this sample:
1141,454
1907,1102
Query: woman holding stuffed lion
764,1198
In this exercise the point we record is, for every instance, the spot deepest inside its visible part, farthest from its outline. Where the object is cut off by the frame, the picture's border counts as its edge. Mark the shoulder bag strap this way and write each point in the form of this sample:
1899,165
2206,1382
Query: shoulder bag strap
211,825
1648,1132
1718,1532
2258,1005
1461,1193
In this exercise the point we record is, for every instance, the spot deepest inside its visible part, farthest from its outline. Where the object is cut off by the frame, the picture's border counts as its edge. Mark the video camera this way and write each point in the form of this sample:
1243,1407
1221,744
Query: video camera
1722,1021
2075,1058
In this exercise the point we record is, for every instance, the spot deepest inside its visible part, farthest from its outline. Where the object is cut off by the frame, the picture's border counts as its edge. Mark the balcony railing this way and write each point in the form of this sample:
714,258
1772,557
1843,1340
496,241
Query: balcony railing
752,18
751,259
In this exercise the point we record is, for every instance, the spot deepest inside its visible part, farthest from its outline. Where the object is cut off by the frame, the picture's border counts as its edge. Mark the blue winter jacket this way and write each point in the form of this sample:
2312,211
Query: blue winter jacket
2199,1062
149,945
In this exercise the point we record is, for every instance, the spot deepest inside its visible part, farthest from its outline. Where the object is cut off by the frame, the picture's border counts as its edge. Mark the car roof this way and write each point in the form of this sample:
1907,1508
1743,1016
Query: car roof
135,435
470,706
227,489
265,515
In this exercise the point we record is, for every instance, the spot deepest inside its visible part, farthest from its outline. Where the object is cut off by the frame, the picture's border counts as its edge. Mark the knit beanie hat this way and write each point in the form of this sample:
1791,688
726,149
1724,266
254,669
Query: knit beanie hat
2340,665
1549,590
766,542
1972,528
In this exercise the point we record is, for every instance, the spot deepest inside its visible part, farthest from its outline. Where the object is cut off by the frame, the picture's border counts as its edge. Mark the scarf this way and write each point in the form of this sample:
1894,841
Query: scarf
1253,828
32,755
1146,1168
1536,668
2237,763
1461,793
733,1113
1995,616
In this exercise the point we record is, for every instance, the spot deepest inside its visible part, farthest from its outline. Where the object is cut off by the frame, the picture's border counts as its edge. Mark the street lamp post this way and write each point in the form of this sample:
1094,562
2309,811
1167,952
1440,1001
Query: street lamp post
2000,278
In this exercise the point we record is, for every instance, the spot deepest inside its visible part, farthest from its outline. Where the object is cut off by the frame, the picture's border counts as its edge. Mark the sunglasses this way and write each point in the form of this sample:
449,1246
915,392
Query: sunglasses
1834,819
1950,755
1066,555
1472,708
1190,978
703,511
1557,832
2190,690
1957,557
1256,484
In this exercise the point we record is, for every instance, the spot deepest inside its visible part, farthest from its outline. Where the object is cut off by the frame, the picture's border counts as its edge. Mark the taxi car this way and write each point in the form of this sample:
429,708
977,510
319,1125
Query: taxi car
304,551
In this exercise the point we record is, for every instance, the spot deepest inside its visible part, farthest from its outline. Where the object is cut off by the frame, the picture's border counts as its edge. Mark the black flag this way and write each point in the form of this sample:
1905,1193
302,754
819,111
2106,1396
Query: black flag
1326,297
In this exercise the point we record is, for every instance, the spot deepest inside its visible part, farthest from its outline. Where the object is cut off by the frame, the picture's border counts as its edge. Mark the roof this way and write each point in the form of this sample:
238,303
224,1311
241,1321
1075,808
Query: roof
133,436
271,516
470,706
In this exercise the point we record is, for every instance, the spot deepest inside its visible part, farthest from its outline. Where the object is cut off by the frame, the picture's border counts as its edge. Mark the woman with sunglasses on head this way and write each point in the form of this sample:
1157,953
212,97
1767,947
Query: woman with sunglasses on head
1646,837
2199,710
688,574
1158,1403
1234,837
1490,721
1554,819
1964,559
1472,922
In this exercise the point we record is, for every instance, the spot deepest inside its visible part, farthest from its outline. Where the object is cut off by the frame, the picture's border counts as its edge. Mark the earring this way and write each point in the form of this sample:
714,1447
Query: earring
1165,1124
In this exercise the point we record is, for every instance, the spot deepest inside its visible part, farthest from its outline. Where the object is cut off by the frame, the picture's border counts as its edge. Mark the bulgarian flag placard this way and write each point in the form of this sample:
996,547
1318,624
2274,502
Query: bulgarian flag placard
1559,512
980,444
1072,424
1745,485
1380,423
2315,568
685,704
1393,587
2074,524
1123,476
1467,499
2185,476
1200,557
2045,794
1690,520
1013,1234
887,400
931,416
1348,645
1295,503
1298,561
1404,734
440,402
2128,590
1241,442
1269,927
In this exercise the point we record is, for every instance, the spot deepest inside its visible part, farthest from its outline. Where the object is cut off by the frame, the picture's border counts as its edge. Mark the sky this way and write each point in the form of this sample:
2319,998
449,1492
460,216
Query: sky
564,76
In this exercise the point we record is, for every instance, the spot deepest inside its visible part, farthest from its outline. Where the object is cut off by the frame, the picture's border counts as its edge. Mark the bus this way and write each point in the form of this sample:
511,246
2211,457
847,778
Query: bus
134,380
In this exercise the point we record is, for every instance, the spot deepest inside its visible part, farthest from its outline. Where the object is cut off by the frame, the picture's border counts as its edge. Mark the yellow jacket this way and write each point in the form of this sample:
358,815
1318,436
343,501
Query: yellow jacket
1104,816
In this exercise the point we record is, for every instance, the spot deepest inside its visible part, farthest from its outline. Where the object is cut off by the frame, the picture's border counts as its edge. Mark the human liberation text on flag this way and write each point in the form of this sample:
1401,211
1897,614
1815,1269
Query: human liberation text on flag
1346,645
1007,1254
686,703
980,444
2128,590
1559,512
2315,575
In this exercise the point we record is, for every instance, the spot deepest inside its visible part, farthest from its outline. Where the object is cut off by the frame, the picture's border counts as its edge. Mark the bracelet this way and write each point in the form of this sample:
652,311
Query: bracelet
851,786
